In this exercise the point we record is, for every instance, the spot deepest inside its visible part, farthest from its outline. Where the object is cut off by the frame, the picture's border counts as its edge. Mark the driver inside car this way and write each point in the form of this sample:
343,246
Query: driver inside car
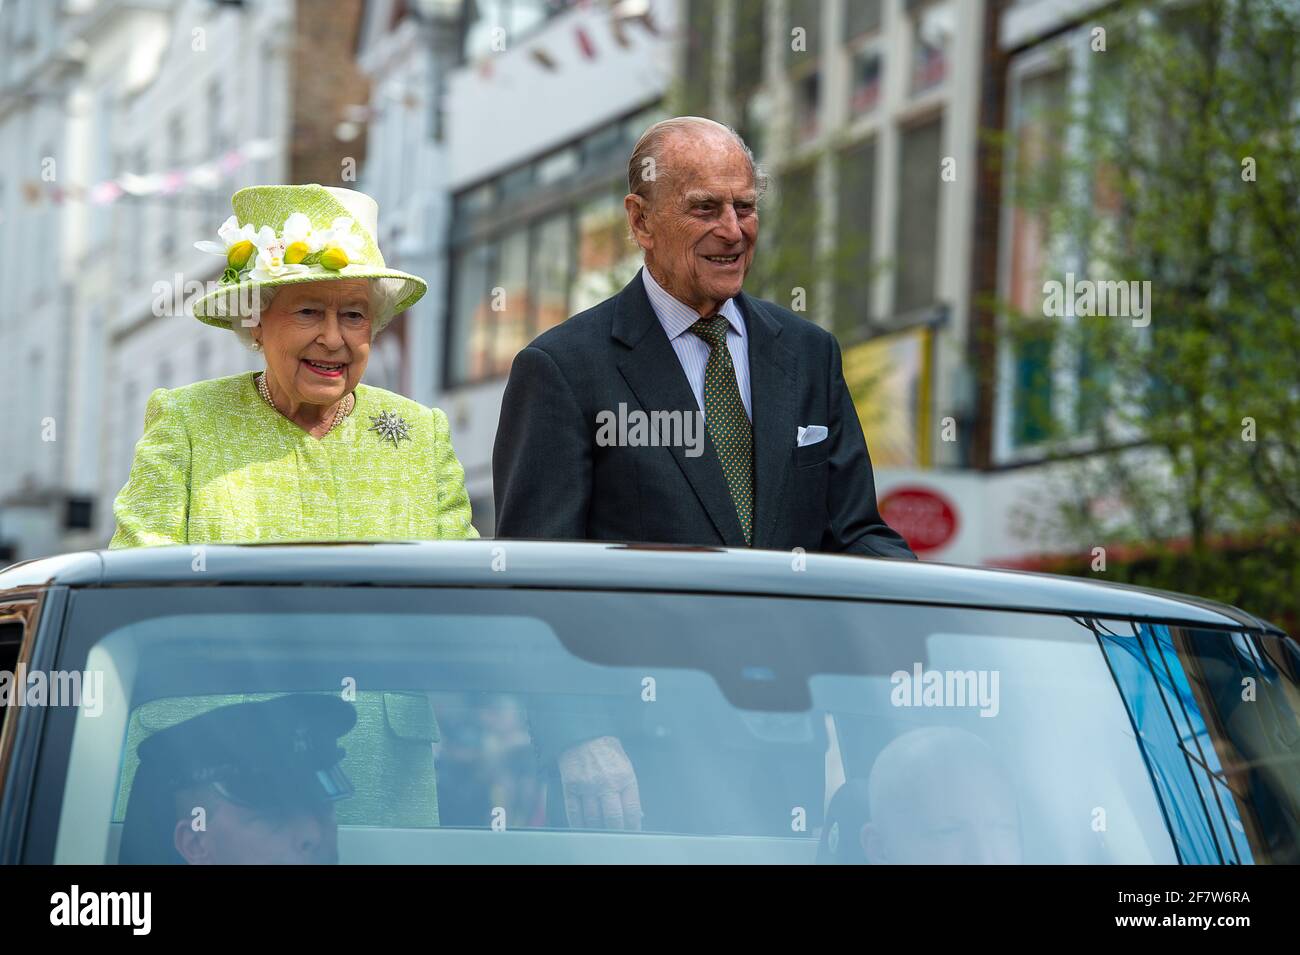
939,796
246,784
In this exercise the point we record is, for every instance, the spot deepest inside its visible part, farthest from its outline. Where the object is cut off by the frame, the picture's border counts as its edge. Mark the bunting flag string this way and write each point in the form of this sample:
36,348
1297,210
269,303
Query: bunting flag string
621,13
205,175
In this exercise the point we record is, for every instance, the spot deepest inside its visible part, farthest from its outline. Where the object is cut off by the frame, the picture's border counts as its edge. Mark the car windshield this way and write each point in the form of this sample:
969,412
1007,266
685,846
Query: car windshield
758,729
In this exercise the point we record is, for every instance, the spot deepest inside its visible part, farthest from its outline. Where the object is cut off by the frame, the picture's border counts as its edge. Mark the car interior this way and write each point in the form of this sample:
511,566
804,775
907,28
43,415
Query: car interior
446,768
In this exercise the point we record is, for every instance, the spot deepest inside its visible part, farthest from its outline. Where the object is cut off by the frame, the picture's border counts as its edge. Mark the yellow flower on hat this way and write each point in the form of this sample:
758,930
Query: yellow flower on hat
300,239
299,233
341,245
236,243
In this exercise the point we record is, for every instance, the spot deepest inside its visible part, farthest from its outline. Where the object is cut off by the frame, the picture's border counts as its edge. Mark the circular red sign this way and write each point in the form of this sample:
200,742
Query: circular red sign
925,518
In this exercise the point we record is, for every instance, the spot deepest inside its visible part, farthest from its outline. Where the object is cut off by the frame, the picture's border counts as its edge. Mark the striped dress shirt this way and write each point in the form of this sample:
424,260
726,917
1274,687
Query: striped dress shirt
692,351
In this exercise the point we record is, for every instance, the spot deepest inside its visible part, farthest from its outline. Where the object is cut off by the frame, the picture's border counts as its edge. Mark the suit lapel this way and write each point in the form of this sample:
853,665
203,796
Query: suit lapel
772,383
654,373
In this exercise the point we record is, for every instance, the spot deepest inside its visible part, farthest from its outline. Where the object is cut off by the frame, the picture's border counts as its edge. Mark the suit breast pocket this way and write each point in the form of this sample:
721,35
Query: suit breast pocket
811,455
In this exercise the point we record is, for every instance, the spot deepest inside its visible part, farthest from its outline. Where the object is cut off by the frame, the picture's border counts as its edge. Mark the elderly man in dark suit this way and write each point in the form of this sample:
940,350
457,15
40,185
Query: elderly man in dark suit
785,463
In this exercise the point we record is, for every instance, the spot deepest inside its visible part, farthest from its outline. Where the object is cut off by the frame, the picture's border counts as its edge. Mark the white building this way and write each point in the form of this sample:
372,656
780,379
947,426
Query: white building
407,51
67,70
168,107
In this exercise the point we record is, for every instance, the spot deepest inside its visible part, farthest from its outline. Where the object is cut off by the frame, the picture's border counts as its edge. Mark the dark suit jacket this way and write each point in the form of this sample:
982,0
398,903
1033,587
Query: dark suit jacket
554,481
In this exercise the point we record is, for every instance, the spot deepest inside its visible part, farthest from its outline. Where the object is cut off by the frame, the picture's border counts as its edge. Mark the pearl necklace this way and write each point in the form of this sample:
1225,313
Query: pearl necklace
344,409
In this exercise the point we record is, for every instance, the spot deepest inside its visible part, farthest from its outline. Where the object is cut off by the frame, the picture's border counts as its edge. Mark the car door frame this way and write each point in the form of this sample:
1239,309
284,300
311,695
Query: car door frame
42,610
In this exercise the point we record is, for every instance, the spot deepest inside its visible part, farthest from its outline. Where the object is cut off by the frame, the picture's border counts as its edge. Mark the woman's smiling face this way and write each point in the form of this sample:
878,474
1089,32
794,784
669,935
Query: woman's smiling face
316,339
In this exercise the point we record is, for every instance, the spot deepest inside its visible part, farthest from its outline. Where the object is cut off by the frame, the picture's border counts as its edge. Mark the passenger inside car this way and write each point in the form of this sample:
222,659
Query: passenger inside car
251,783
939,796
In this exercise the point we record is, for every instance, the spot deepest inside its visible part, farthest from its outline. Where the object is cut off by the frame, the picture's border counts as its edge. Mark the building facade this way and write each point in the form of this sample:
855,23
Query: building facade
407,51
150,114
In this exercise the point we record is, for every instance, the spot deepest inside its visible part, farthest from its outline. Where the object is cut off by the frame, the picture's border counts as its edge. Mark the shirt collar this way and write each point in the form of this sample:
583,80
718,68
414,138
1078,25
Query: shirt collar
677,317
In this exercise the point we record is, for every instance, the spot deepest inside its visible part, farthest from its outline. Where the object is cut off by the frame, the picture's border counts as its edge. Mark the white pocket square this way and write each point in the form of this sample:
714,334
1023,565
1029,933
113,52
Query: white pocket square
811,434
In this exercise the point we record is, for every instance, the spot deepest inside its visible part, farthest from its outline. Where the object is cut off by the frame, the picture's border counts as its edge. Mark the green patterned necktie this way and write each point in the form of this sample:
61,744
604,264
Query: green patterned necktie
726,421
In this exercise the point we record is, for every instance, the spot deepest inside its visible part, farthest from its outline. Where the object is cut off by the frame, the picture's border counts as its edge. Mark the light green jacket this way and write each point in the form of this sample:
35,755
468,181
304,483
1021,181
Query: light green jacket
217,464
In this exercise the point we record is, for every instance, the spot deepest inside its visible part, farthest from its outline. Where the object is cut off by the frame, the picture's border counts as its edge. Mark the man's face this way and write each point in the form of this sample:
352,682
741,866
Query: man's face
700,230
971,819
239,835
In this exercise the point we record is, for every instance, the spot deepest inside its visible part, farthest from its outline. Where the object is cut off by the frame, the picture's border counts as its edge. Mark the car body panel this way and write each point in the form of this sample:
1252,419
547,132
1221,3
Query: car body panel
609,566
551,566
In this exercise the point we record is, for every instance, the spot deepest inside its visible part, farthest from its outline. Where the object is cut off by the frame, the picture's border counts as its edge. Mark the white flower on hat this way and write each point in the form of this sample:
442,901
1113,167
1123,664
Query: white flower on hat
341,245
300,239
236,244
270,262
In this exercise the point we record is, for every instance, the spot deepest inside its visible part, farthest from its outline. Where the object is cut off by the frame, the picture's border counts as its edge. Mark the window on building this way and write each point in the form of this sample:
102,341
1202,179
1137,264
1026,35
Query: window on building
855,226
100,221
489,26
476,200
1031,384
516,183
867,75
216,144
552,257
607,258
510,302
803,31
1039,133
471,315
177,214
933,25
807,103
509,290
788,263
697,64
23,32
513,278
917,222
138,216
639,122
216,137
558,166
860,18
603,144
755,113
747,48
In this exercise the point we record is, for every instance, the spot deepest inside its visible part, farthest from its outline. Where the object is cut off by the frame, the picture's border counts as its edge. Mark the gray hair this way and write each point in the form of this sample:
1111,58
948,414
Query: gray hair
384,295
649,149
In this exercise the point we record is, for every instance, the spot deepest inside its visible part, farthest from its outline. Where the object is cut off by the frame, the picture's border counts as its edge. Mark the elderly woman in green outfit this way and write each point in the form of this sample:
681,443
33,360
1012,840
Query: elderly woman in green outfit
302,450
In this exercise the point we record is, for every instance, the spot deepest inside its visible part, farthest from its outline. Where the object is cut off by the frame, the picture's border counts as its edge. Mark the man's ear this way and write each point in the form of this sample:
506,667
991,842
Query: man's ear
192,845
638,214
873,845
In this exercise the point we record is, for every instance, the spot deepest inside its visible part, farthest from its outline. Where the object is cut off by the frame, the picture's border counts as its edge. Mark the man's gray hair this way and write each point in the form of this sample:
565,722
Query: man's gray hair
649,150
383,302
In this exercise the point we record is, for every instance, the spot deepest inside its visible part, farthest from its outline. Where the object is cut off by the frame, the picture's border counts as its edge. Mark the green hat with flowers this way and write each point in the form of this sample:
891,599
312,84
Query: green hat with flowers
286,235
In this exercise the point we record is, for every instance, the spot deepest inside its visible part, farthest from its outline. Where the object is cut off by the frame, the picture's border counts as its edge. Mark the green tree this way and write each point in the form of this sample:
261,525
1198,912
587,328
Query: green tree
1181,167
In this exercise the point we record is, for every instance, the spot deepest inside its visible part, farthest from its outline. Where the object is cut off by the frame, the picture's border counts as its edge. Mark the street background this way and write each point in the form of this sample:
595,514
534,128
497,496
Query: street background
1058,240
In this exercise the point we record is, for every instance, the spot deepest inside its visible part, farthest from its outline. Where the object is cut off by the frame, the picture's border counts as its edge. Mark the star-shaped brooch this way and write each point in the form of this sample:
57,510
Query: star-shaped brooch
390,427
